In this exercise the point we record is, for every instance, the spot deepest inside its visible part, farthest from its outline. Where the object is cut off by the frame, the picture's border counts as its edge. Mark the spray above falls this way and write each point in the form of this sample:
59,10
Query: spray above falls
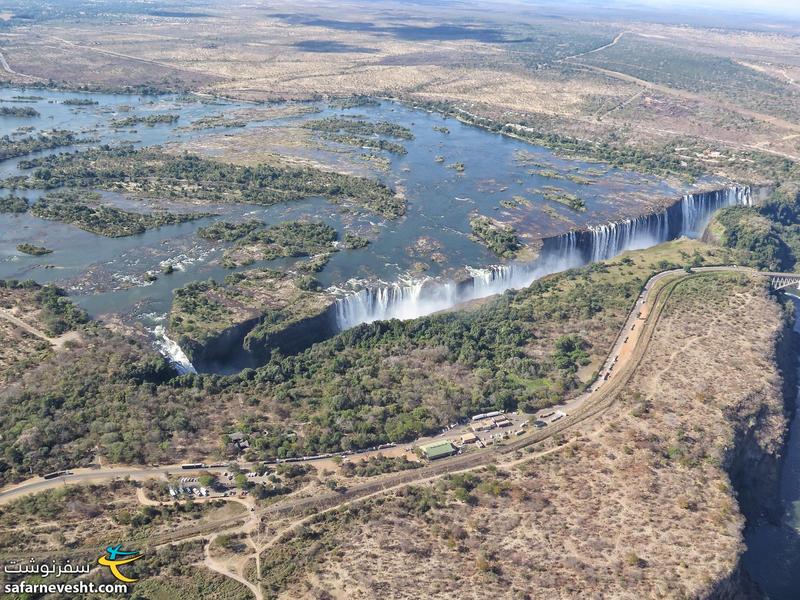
410,300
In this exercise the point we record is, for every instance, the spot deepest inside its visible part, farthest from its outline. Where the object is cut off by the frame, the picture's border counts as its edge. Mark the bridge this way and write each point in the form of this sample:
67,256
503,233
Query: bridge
780,281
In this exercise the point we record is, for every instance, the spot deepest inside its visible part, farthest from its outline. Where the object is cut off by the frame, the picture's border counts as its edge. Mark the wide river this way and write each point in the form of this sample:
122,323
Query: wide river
502,178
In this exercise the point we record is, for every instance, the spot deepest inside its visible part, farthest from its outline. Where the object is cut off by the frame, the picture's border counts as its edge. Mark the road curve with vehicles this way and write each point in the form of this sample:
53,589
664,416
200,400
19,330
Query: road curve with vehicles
598,397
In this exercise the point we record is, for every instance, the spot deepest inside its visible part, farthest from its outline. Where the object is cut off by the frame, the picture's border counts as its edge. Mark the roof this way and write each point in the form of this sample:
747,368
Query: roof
438,449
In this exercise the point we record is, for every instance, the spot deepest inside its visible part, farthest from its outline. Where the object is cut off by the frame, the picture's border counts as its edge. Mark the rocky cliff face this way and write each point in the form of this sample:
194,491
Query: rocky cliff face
754,460
243,345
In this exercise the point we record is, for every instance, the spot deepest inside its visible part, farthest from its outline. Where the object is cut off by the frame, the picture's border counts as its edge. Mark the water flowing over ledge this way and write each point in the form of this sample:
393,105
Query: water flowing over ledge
172,351
688,217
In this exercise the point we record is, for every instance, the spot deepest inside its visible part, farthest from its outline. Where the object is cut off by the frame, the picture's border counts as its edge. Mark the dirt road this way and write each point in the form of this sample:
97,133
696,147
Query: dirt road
58,342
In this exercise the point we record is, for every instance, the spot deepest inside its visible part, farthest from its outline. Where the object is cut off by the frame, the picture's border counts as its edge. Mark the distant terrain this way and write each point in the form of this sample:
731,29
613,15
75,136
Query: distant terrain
400,300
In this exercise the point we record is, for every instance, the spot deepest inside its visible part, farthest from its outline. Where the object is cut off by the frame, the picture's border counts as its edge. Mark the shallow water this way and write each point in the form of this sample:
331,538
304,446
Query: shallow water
108,275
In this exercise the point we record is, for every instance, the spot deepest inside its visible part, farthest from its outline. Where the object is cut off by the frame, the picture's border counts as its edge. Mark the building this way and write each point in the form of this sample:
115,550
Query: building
483,426
469,438
488,415
438,450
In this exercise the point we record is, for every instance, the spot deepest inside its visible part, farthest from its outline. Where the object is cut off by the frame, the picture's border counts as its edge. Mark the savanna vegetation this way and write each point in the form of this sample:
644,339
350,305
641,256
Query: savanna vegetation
665,162
11,147
500,239
83,210
57,313
156,173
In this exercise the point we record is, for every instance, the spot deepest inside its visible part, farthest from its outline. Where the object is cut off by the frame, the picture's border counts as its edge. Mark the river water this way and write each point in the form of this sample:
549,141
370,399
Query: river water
407,258
773,550
108,275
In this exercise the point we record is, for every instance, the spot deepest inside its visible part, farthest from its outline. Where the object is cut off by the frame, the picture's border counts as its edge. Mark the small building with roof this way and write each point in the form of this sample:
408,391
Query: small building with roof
438,450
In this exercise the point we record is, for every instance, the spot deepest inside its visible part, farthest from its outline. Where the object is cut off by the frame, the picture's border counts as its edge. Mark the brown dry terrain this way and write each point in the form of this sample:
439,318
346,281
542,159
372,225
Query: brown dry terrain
26,340
635,82
637,506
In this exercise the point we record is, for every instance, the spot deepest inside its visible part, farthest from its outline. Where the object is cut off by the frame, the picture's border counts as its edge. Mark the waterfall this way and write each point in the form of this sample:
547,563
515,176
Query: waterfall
689,217
172,351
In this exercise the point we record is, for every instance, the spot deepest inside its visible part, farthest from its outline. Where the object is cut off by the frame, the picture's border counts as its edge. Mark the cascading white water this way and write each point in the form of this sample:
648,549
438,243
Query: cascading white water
172,351
575,248
697,209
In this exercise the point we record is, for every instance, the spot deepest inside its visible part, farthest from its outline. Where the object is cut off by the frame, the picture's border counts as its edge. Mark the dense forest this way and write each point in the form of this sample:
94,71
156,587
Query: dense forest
767,236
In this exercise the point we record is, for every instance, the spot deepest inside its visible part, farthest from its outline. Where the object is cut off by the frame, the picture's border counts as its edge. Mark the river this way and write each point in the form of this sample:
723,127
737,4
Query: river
414,265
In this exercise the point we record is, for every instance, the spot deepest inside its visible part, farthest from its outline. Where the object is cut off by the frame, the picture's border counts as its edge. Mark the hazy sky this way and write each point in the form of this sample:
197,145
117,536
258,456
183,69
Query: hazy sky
789,7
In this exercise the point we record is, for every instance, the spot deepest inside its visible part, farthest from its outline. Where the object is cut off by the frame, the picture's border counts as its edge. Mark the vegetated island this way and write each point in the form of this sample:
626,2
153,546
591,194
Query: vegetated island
254,241
249,316
18,111
12,148
361,133
13,204
571,201
80,102
33,250
148,120
500,239
215,121
82,210
156,173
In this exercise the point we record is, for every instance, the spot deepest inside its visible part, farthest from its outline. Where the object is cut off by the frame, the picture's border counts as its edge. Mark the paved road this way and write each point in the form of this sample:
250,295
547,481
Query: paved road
99,475
595,403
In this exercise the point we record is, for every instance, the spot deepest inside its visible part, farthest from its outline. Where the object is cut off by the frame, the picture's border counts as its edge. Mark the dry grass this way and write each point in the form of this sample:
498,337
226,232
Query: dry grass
637,507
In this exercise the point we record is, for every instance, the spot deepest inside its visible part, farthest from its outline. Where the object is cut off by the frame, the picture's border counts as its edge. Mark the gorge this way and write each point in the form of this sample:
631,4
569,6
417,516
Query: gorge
233,350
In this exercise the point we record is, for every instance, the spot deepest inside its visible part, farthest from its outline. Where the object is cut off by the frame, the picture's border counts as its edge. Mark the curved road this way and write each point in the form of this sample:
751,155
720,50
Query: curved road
599,389
651,304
